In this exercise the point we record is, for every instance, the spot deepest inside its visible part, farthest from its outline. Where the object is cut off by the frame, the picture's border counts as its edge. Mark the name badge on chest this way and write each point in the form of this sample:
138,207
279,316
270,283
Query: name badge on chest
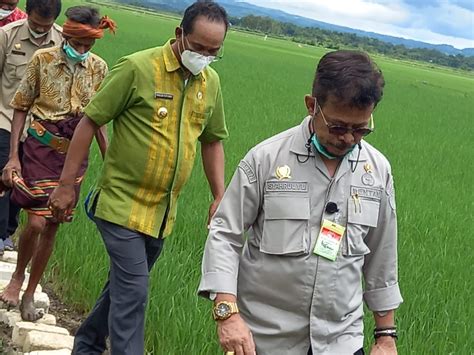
329,240
162,95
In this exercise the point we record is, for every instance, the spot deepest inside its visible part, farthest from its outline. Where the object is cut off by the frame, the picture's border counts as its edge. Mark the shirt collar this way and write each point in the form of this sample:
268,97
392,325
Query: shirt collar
25,34
62,59
301,138
171,62
355,156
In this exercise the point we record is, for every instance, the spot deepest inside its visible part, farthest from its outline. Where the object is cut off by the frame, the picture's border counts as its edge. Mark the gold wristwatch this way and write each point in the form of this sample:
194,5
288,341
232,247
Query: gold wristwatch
223,310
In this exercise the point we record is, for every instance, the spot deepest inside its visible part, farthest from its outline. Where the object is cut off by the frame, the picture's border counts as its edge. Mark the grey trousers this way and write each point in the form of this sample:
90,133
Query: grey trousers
120,310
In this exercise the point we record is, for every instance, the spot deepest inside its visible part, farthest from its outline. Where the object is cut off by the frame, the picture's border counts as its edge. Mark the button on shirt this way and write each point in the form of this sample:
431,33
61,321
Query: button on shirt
290,297
157,121
53,88
16,49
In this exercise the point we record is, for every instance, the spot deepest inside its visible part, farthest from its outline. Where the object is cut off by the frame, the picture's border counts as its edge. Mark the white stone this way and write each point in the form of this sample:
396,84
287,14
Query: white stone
2,314
9,257
47,319
4,283
6,273
50,352
37,340
21,329
10,318
7,266
13,317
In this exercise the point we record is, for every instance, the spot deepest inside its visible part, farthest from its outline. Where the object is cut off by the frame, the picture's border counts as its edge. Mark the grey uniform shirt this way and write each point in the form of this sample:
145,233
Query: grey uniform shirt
16,49
261,241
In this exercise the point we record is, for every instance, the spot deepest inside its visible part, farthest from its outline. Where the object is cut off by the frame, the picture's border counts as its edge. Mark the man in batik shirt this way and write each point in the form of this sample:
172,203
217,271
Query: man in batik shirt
57,85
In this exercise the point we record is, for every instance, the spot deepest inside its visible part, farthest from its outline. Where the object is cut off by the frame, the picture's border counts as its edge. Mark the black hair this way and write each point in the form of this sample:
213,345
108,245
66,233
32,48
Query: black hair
84,14
44,8
351,77
207,8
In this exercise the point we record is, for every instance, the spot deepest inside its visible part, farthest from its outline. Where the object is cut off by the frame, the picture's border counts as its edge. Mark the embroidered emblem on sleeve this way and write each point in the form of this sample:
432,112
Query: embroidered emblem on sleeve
390,190
247,169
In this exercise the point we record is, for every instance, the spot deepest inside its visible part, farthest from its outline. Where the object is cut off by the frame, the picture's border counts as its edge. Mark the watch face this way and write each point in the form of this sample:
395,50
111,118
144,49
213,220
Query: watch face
222,310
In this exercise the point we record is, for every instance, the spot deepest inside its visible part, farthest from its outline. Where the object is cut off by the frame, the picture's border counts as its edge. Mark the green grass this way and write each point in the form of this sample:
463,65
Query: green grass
423,125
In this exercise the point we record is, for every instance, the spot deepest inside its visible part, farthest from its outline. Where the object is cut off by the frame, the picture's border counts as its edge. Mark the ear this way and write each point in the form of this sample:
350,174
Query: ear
310,102
178,32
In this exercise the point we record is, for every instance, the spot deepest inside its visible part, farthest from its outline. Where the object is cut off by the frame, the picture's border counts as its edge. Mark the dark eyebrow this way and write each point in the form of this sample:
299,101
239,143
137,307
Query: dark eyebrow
200,47
337,122
362,125
196,45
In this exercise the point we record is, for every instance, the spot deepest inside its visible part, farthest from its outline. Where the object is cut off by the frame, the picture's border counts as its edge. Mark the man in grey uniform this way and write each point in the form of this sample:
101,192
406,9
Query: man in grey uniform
308,215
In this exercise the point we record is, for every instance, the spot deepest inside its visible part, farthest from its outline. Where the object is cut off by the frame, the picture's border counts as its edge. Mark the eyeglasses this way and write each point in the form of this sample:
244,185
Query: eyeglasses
357,133
218,55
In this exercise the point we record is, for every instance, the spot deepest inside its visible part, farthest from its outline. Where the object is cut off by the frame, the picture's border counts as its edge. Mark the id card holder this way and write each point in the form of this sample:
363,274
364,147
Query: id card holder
329,240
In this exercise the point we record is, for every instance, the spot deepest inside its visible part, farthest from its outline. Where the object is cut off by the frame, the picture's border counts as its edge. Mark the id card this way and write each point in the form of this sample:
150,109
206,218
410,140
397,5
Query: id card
329,240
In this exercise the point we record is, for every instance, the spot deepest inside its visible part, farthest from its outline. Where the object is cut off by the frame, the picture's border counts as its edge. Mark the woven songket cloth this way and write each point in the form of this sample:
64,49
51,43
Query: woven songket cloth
41,168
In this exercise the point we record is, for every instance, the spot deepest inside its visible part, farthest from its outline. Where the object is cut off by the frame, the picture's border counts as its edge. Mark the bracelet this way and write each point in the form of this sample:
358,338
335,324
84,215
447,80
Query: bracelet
386,332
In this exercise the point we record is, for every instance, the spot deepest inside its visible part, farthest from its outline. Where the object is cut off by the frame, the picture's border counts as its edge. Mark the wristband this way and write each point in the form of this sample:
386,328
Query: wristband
383,332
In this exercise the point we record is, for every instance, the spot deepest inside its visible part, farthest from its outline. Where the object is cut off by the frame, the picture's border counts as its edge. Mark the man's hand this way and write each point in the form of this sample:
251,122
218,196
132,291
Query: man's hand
212,210
384,346
235,335
61,202
13,165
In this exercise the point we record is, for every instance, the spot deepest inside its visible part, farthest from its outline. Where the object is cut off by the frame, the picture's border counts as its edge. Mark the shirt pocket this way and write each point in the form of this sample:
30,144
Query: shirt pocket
15,66
200,117
285,229
361,216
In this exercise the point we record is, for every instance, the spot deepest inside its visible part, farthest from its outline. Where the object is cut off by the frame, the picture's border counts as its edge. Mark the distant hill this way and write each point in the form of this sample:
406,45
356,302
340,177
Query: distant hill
240,9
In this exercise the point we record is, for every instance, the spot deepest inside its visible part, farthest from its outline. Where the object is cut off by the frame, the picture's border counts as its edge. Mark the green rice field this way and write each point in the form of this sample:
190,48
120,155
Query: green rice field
424,125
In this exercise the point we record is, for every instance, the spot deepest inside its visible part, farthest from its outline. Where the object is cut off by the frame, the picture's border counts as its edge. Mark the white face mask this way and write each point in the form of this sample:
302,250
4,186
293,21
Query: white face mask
36,34
195,62
5,13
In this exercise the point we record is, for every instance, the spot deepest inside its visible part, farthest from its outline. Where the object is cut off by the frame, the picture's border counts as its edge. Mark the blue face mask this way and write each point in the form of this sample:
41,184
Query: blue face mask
74,55
320,148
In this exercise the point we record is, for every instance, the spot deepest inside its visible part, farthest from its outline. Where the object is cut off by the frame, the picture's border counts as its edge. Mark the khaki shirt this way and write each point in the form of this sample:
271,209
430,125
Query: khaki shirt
291,298
16,49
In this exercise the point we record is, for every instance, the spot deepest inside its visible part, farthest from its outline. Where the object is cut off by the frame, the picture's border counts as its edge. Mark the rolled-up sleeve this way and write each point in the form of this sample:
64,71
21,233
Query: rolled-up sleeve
382,291
236,213
116,93
216,128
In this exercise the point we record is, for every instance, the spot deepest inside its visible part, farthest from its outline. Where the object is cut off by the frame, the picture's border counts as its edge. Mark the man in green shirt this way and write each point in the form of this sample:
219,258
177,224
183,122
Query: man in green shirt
161,101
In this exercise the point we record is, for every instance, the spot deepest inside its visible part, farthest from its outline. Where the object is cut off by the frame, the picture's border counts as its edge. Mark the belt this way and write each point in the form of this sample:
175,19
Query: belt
37,130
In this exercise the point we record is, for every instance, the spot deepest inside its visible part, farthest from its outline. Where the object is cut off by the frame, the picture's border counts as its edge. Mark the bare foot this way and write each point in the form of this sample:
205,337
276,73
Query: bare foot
11,293
28,311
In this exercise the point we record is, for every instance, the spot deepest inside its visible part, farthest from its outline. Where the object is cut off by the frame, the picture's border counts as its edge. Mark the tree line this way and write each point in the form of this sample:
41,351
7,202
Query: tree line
339,40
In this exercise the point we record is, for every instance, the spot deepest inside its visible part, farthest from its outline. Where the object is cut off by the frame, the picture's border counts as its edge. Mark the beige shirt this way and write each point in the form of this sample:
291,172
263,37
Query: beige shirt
53,88
16,49
261,241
